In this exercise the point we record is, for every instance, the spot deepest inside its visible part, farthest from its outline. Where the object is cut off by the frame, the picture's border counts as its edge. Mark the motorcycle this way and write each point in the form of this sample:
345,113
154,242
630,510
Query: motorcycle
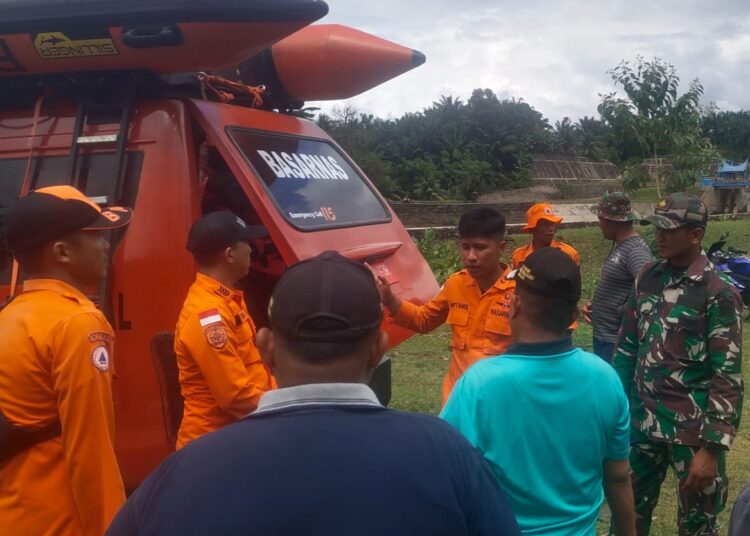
734,263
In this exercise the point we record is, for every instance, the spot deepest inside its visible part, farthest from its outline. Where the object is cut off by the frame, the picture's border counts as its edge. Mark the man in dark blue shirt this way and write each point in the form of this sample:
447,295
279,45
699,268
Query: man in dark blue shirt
320,455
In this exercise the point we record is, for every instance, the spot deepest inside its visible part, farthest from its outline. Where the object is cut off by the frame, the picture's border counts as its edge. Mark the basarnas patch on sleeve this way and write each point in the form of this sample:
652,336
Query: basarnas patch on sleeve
100,336
216,335
100,358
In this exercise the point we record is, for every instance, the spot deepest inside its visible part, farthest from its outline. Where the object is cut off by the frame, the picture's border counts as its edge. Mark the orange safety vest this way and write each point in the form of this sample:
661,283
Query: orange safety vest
221,374
479,322
56,363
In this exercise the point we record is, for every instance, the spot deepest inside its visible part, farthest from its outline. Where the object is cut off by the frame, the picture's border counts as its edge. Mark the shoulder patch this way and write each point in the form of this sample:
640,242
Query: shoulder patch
216,335
100,358
100,336
211,316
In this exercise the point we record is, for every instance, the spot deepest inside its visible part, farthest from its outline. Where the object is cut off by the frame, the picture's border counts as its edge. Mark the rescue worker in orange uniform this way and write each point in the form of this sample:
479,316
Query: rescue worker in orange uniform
474,301
58,472
542,224
222,376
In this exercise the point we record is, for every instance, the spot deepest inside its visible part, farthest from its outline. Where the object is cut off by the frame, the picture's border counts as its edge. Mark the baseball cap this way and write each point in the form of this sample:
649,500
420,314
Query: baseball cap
218,230
615,206
326,298
540,211
550,272
48,214
677,210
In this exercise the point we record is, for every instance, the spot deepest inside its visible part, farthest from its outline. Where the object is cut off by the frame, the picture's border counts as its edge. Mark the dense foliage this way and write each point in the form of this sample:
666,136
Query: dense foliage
653,121
456,149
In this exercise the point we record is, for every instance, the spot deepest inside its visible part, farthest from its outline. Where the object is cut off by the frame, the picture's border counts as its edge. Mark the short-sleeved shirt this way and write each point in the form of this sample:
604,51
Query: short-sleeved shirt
222,376
324,459
615,286
57,362
479,321
546,421
520,254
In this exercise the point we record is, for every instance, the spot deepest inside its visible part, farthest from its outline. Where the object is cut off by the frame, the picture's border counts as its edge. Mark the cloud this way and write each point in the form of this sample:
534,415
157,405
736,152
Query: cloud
553,54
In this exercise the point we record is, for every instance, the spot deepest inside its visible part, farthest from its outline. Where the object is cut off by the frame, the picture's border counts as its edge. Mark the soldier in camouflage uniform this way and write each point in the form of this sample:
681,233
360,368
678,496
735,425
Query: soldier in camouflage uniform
679,357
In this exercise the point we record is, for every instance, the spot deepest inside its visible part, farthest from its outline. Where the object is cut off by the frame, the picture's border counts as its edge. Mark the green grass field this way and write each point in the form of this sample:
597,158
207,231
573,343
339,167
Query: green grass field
420,363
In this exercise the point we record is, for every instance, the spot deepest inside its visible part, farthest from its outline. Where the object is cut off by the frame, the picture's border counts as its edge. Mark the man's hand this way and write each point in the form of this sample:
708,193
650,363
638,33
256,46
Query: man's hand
586,311
387,297
702,471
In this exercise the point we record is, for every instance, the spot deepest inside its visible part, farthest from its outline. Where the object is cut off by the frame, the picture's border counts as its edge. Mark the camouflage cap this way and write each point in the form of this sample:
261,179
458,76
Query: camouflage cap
677,210
615,206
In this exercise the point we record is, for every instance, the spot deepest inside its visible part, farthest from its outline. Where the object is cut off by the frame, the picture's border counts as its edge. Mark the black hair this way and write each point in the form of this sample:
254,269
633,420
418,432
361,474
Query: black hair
208,259
549,313
482,222
321,352
30,261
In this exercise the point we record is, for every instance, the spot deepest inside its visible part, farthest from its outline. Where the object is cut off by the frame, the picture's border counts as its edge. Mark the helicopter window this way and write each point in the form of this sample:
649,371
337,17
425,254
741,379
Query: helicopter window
313,185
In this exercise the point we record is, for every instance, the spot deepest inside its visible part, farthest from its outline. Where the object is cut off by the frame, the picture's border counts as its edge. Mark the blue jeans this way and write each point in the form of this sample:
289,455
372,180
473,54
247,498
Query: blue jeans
605,350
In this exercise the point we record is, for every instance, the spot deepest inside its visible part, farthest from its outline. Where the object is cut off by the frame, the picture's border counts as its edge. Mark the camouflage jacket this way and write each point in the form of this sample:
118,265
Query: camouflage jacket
679,355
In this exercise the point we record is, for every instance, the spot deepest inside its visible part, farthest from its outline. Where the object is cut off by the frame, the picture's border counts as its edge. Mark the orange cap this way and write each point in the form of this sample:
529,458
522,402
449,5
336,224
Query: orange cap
540,211
50,213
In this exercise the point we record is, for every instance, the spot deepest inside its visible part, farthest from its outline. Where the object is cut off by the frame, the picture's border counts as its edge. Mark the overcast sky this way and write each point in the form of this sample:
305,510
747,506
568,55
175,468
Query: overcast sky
553,54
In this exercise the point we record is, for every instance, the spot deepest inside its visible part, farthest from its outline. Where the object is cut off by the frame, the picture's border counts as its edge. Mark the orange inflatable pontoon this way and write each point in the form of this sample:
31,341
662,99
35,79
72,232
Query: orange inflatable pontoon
155,35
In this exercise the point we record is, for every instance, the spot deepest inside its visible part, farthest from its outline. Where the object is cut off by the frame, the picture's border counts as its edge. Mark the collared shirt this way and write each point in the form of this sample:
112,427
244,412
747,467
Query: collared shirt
541,348
221,373
56,355
546,417
479,321
318,394
520,254
679,355
322,459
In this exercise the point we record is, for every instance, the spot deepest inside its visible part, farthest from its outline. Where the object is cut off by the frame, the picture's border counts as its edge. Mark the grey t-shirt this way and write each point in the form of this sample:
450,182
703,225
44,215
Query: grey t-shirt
615,286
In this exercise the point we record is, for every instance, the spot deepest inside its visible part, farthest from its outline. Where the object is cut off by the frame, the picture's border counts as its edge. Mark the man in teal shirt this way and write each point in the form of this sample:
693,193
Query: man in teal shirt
552,420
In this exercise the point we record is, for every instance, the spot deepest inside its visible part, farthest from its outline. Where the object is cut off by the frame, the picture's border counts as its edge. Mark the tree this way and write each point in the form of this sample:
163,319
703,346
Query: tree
654,121
595,139
729,132
566,137
466,176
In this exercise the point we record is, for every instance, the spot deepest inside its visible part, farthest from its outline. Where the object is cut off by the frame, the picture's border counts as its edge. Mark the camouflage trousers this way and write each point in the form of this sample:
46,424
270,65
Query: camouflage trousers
697,510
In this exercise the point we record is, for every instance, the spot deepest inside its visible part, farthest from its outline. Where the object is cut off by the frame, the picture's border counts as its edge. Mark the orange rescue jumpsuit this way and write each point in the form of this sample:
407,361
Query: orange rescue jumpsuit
56,362
479,322
221,374
520,254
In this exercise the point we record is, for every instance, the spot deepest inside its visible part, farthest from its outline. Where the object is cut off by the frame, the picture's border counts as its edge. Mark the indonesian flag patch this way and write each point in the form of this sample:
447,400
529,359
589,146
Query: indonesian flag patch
209,317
